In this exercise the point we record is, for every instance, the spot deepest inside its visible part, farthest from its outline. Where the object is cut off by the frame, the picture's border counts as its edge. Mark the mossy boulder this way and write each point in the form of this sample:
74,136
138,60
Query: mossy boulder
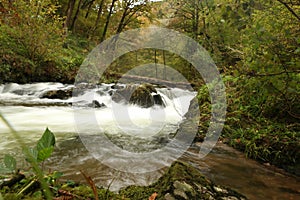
144,95
182,182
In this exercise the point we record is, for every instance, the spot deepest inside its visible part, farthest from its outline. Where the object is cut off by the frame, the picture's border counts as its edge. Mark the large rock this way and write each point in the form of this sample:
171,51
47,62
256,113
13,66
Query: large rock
182,182
58,94
144,95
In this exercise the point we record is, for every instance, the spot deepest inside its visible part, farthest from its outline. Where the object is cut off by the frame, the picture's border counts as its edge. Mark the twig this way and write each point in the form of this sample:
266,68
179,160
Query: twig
290,9
91,183
111,182
275,74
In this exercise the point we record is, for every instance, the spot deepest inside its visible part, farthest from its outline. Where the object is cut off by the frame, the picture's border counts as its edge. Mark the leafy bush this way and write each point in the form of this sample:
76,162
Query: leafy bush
31,35
38,154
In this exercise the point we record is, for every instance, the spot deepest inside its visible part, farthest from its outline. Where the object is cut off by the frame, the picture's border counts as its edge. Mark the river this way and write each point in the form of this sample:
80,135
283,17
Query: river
30,114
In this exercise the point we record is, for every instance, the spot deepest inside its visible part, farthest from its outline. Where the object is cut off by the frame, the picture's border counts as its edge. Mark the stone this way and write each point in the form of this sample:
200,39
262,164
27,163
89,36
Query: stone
218,189
117,87
184,187
181,194
168,196
158,100
229,198
182,181
58,94
96,104
144,95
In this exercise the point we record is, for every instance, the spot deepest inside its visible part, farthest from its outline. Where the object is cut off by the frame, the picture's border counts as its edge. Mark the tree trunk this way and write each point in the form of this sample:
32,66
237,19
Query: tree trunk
89,9
195,19
155,61
76,15
107,20
121,24
69,13
99,13
165,67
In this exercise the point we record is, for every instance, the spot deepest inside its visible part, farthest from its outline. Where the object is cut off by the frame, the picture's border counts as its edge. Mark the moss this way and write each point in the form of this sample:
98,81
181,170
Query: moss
179,181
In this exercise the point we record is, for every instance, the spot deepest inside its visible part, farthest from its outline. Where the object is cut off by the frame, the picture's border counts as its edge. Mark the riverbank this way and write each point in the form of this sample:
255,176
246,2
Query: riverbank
255,126
181,181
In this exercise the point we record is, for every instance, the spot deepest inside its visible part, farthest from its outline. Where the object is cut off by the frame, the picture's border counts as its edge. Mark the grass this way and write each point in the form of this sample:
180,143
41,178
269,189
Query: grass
273,140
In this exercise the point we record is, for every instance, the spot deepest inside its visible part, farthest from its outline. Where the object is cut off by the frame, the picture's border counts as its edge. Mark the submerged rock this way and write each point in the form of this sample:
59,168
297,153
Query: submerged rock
184,182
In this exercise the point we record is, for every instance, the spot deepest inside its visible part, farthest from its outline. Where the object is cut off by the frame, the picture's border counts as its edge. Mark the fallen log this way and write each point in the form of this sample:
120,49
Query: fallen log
124,78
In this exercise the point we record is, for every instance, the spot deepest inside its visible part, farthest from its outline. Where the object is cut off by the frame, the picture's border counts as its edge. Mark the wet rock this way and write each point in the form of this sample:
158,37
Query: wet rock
144,95
123,95
96,104
81,88
117,87
158,100
58,94
110,92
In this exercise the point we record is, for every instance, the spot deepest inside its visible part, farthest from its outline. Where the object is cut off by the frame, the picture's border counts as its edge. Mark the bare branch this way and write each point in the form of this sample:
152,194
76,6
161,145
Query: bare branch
289,8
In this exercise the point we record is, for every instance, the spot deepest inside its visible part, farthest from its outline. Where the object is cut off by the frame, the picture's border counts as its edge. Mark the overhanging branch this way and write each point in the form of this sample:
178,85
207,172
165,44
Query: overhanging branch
289,8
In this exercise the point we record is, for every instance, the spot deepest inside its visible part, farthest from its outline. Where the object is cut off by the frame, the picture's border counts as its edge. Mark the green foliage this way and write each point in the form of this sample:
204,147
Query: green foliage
256,46
271,43
249,129
35,29
9,164
40,153
45,146
43,149
34,45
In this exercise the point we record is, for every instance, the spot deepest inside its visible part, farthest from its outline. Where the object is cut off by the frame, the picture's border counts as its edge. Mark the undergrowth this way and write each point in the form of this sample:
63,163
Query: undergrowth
252,126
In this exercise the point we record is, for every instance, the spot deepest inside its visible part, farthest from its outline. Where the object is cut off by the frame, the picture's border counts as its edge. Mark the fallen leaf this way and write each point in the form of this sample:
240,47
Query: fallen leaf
153,196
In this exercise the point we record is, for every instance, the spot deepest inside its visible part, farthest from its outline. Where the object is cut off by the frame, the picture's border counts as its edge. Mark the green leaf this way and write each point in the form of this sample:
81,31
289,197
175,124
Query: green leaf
33,154
45,153
47,140
10,162
4,170
57,175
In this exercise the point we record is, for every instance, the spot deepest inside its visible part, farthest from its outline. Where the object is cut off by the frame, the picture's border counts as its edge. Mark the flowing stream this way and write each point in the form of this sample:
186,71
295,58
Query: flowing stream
30,114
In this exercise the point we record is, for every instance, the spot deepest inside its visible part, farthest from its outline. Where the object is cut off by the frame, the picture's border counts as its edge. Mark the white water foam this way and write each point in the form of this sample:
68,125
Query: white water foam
31,121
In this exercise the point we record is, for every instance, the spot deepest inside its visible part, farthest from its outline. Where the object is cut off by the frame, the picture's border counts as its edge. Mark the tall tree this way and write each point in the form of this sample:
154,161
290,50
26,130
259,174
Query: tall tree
131,10
89,4
111,9
69,13
99,14
76,15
